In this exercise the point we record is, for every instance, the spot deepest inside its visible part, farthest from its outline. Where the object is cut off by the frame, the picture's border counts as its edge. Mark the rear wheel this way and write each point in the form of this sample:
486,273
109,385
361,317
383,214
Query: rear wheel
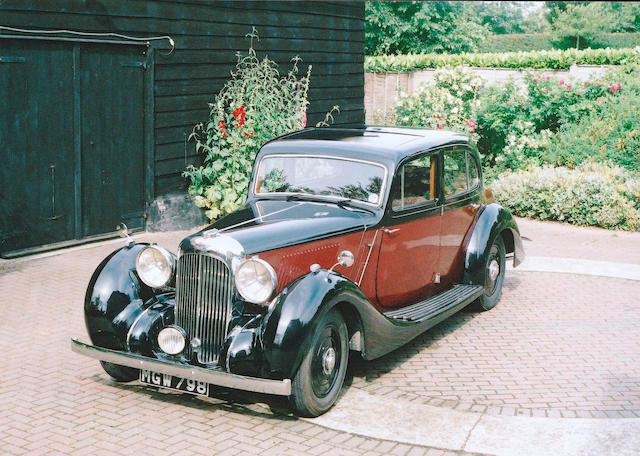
319,379
120,373
493,275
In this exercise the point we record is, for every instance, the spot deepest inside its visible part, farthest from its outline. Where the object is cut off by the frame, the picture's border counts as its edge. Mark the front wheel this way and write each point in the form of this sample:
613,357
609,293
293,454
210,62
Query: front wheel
319,379
120,373
493,275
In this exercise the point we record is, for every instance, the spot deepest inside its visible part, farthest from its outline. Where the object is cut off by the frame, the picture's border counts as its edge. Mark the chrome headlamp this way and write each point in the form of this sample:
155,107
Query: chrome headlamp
256,281
155,266
172,340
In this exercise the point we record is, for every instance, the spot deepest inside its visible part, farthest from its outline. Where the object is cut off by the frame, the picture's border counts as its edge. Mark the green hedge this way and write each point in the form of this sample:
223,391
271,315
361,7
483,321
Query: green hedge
542,60
594,194
525,42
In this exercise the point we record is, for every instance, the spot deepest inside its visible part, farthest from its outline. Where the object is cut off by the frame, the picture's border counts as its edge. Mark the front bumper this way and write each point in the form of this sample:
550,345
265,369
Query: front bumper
214,377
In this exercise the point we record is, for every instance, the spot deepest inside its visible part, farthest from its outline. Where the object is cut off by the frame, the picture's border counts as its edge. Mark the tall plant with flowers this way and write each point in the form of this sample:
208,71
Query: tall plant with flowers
257,104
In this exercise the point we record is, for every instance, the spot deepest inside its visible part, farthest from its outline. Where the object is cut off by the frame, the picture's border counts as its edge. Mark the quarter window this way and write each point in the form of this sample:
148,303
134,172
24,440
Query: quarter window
460,171
414,183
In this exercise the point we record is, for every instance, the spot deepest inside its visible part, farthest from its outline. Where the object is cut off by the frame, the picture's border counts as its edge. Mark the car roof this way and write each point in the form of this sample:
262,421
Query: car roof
382,144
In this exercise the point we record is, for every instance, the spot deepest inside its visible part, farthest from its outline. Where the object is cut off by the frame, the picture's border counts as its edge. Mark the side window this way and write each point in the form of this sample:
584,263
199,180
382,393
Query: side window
460,171
414,183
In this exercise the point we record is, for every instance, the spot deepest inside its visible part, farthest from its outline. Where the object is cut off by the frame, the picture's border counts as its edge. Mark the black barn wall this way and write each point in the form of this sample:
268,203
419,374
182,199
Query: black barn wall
207,35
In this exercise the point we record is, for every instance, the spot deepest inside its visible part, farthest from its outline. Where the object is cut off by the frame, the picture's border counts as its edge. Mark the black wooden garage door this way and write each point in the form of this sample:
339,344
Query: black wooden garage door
71,141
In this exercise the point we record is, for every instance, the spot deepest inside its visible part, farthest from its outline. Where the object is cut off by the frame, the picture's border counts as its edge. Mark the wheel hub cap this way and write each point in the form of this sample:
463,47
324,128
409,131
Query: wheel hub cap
328,361
494,270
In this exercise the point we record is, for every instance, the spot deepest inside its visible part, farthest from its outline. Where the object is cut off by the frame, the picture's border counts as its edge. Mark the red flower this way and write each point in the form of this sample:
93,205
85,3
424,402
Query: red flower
535,79
561,82
440,126
223,128
619,86
472,125
568,86
240,115
303,121
586,83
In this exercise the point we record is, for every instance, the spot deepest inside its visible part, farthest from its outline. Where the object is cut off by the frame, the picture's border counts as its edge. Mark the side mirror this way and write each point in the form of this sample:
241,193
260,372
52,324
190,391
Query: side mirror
345,259
123,232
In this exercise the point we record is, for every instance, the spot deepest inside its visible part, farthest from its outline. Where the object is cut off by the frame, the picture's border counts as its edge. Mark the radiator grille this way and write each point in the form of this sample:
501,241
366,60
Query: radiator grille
204,288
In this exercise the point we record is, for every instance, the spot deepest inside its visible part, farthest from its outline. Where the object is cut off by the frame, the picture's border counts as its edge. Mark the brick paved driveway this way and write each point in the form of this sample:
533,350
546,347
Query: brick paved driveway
555,342
557,345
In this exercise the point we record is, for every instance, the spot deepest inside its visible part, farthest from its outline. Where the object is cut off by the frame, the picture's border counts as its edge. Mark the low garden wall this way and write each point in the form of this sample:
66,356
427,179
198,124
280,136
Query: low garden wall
381,89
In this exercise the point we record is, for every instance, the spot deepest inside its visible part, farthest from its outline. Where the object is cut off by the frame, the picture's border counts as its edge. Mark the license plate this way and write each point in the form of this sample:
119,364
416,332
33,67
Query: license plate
175,383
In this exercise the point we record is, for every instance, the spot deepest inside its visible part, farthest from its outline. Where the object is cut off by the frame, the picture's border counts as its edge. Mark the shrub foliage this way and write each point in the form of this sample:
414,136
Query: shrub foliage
543,60
526,42
594,194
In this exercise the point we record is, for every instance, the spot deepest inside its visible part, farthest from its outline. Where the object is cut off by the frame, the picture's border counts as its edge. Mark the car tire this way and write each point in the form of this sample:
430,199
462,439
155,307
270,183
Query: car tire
120,373
494,270
319,379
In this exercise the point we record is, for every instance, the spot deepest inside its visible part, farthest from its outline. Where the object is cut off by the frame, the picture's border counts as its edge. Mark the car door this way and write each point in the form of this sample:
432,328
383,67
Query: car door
461,193
408,258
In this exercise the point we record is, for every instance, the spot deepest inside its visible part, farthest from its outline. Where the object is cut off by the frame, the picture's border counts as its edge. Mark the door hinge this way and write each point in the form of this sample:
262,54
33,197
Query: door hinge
9,59
142,65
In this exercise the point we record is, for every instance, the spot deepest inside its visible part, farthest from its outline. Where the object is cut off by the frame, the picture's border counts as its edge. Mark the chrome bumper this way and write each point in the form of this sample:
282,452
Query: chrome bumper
259,385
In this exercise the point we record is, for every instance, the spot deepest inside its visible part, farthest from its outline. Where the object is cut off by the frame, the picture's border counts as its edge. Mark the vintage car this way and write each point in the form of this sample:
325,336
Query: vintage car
350,240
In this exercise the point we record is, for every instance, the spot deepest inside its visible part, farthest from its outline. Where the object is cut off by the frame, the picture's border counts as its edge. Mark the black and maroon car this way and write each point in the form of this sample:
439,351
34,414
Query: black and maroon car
351,239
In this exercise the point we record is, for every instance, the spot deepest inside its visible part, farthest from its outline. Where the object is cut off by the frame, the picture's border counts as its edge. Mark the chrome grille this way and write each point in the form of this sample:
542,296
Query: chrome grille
204,288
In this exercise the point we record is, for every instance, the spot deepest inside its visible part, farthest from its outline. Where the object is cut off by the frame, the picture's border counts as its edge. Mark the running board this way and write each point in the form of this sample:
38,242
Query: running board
458,296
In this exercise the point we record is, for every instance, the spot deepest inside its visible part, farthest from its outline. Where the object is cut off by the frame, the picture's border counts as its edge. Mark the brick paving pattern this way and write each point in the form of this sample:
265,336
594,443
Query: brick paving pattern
557,345
53,401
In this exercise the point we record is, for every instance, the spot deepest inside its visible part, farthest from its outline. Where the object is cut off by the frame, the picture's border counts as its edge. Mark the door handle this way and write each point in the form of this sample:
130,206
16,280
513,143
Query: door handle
388,231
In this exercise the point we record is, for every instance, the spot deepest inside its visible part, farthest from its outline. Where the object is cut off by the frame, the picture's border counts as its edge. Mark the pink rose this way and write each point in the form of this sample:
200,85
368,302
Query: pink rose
472,125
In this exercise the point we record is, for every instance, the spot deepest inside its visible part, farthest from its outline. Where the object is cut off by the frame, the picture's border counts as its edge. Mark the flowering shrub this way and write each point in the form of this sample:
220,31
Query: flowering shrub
610,133
254,106
448,102
517,123
593,194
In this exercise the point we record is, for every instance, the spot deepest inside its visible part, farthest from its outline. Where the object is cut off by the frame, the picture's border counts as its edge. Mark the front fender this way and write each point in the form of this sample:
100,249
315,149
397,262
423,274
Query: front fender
115,298
492,221
289,326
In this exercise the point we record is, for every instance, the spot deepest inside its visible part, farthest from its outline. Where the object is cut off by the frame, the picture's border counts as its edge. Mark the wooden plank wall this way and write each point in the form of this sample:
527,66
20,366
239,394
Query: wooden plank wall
207,35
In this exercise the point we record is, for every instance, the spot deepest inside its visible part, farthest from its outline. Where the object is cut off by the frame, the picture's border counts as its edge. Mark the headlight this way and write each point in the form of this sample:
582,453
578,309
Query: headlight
155,266
256,281
172,340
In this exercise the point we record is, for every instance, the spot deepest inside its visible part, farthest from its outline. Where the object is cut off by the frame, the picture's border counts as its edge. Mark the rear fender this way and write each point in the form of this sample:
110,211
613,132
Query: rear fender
493,221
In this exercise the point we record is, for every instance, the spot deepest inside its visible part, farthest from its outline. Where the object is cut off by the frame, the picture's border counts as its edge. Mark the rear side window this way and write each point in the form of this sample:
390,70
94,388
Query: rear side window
460,171
414,183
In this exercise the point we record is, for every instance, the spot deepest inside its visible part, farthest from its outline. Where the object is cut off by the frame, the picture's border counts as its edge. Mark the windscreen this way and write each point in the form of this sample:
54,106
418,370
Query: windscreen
314,175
